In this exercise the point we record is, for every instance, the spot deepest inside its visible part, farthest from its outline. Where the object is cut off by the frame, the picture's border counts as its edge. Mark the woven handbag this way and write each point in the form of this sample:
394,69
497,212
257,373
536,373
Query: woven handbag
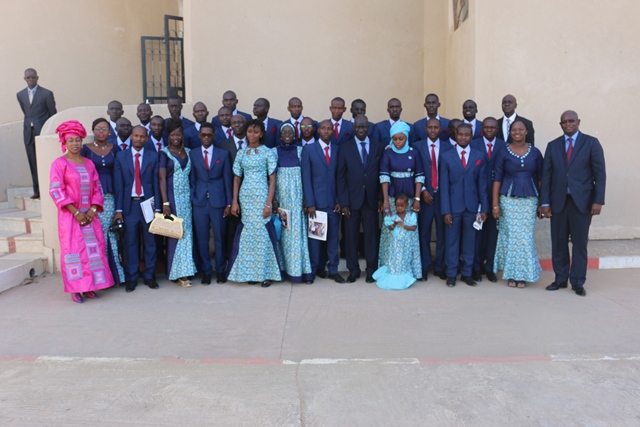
170,226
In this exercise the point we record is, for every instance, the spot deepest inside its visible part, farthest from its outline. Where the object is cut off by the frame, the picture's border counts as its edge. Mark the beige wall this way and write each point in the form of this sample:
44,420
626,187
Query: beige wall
86,52
315,50
14,167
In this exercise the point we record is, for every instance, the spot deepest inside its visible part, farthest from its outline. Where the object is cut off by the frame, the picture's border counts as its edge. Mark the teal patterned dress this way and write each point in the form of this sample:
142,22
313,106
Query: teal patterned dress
254,254
179,252
293,247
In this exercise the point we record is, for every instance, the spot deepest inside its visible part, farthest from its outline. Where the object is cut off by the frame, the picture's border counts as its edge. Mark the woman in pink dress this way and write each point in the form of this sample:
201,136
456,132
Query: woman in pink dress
76,191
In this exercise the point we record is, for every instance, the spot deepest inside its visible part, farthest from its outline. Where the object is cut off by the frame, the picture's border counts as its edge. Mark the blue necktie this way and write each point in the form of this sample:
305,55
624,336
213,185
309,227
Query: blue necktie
364,153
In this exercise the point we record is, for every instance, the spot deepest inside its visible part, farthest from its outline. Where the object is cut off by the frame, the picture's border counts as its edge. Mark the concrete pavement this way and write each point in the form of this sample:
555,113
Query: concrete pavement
323,355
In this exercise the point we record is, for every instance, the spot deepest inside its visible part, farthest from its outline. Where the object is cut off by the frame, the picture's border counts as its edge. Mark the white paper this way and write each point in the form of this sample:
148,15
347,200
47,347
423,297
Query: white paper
148,210
318,226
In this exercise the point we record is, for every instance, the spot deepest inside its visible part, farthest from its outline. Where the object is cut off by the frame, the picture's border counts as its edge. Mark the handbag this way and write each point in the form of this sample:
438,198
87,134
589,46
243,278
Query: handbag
168,226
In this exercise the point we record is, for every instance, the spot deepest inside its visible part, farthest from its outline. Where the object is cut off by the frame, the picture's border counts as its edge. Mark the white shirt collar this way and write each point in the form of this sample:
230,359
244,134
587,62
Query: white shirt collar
299,119
323,146
437,142
467,150
311,141
366,140
452,142
120,142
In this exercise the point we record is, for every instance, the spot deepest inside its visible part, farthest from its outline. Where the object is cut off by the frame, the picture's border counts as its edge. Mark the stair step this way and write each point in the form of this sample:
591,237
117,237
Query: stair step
21,221
16,267
12,242
28,204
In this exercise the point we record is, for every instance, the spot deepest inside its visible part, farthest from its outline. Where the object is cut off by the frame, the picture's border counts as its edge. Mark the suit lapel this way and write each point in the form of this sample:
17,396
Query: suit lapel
577,147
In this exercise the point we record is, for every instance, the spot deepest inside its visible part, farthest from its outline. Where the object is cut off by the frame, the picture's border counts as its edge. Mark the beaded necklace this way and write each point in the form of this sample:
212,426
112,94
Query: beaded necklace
520,157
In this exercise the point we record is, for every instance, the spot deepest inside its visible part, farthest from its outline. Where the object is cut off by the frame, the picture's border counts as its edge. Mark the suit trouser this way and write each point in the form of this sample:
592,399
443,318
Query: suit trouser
134,225
370,219
205,217
428,214
322,252
486,242
570,222
30,147
461,234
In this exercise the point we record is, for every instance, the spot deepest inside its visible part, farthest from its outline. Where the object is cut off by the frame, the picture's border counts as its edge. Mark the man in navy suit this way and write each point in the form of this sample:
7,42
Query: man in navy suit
144,113
469,112
123,133
156,128
430,151
358,108
211,195
271,126
453,125
342,129
37,105
382,129
487,238
360,198
174,104
136,180
295,108
114,111
573,186
431,105
307,131
230,100
463,183
191,135
509,105
319,169
224,130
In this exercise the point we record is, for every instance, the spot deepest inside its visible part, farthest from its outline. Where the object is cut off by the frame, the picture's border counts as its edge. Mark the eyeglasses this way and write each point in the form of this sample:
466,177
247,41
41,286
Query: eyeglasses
306,126
100,129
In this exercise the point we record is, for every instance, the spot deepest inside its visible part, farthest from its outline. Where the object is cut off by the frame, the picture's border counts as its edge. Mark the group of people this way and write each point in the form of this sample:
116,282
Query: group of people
381,187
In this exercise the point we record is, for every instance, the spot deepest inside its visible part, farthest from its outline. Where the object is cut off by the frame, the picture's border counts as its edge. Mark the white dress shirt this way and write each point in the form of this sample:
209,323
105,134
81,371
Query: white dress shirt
133,159
504,125
323,146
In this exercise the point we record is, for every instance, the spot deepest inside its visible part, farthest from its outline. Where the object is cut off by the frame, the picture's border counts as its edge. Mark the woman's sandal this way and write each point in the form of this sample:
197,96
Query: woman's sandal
521,284
512,283
91,295
185,283
77,298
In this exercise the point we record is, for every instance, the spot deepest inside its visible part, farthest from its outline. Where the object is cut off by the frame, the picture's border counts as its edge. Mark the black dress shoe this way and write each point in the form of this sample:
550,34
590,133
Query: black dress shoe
308,282
151,283
491,276
131,286
221,278
425,276
370,278
555,286
476,276
580,290
336,278
265,284
441,274
451,282
352,278
468,280
206,279
322,274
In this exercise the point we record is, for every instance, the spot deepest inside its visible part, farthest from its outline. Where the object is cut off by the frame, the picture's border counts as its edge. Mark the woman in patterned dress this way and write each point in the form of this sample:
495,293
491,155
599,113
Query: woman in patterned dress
254,256
103,155
400,172
76,191
293,245
518,171
174,167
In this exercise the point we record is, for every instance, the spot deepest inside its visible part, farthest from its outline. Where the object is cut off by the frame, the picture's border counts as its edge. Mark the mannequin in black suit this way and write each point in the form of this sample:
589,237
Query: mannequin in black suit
572,191
509,105
37,104
360,197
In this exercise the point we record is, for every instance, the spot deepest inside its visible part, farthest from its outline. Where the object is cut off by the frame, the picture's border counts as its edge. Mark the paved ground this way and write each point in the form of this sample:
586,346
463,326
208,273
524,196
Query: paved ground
323,355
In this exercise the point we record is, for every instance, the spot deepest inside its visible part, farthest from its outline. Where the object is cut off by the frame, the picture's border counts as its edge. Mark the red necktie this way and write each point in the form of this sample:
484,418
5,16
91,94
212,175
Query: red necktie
471,124
326,155
229,133
434,167
159,146
336,132
489,152
464,161
569,149
295,124
206,159
137,175
123,146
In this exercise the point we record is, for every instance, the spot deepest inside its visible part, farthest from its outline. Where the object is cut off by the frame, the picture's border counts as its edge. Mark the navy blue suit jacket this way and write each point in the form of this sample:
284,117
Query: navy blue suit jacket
191,137
382,132
216,121
585,175
220,136
477,129
271,135
213,188
149,145
124,179
478,144
462,189
420,129
356,180
318,178
424,151
346,133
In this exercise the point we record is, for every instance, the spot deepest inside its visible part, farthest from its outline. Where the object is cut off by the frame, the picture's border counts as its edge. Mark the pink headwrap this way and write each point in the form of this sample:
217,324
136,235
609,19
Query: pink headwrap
70,128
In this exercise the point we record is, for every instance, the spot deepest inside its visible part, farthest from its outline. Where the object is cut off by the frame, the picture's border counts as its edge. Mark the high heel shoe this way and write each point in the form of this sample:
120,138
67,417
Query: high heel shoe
91,295
77,298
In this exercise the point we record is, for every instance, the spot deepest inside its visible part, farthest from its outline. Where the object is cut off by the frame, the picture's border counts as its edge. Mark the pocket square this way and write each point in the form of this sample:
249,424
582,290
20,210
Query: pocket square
478,162
273,129
217,161
149,167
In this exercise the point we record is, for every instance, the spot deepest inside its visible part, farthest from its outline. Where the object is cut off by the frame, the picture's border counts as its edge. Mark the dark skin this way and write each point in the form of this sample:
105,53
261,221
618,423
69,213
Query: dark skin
260,109
490,129
337,109
254,134
31,77
115,111
431,104
509,105
463,134
100,135
144,113
401,210
469,110
237,124
433,132
325,130
453,125
123,128
307,129
175,107
200,112
357,109
518,146
224,115
157,127
74,145
295,108
570,124
399,140
360,128
138,139
230,100
394,108
206,137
